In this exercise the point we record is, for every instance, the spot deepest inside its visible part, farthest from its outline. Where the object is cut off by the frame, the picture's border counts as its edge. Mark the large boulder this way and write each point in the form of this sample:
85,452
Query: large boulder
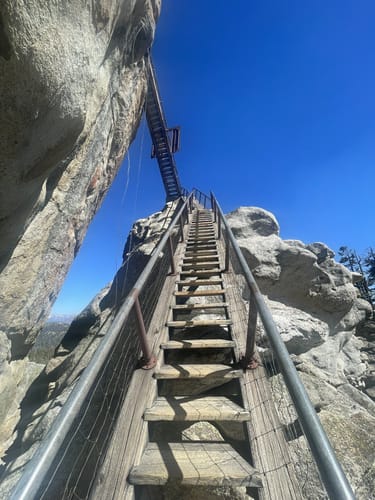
73,81
312,297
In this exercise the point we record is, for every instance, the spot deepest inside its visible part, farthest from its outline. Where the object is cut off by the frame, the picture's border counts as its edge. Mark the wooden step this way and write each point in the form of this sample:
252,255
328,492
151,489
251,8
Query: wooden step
198,464
200,258
201,252
199,293
191,245
198,344
201,231
200,265
193,249
210,305
201,272
195,239
199,322
199,282
192,409
201,237
214,371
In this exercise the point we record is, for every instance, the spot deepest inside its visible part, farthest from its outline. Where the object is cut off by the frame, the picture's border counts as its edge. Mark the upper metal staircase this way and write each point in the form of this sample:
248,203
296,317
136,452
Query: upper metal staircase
162,146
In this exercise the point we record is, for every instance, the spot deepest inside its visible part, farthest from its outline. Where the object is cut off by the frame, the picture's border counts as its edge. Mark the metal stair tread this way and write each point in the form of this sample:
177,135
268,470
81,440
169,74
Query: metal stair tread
210,464
182,408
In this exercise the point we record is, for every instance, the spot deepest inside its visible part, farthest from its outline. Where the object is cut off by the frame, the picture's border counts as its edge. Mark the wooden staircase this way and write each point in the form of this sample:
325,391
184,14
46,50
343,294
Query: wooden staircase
198,379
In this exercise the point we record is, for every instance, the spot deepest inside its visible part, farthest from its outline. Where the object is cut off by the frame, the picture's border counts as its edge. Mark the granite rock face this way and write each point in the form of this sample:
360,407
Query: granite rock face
73,82
312,296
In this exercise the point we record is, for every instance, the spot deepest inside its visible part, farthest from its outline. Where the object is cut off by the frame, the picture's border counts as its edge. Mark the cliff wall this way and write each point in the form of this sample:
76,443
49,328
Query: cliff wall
73,83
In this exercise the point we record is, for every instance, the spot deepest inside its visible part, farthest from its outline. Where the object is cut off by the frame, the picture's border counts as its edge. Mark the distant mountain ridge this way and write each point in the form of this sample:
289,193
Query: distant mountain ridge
61,318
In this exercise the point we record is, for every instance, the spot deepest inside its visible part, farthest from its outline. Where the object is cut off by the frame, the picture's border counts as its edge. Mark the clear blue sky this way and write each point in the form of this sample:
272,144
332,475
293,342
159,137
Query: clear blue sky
276,101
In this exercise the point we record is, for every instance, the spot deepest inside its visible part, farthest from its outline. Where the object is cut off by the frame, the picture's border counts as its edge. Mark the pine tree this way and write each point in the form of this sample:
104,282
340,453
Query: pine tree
369,262
364,266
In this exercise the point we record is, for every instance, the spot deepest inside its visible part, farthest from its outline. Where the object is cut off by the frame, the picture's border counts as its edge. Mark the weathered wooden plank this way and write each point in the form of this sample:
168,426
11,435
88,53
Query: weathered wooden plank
193,409
199,293
201,230
198,239
195,245
200,258
199,282
198,344
195,464
199,272
201,322
200,265
191,253
197,371
201,305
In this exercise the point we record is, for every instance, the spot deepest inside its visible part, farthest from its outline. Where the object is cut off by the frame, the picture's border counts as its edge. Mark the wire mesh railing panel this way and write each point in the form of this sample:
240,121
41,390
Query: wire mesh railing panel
74,471
300,454
303,461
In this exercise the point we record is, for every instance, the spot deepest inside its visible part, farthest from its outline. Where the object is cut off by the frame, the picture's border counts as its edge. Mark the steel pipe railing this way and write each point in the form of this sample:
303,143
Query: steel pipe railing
202,198
38,467
330,470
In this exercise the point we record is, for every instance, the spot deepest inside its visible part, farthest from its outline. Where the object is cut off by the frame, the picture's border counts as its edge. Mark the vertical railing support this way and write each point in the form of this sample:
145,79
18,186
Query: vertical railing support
148,361
226,265
173,265
218,227
191,204
186,212
213,207
249,361
182,229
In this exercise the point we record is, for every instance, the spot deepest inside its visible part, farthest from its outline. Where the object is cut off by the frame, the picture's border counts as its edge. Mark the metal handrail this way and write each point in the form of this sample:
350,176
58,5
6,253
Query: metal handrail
330,470
38,467
201,197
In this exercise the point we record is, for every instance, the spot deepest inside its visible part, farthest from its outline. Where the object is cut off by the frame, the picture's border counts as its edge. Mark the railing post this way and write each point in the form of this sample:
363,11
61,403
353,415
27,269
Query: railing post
186,211
248,360
218,227
214,208
173,265
182,229
226,266
148,361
